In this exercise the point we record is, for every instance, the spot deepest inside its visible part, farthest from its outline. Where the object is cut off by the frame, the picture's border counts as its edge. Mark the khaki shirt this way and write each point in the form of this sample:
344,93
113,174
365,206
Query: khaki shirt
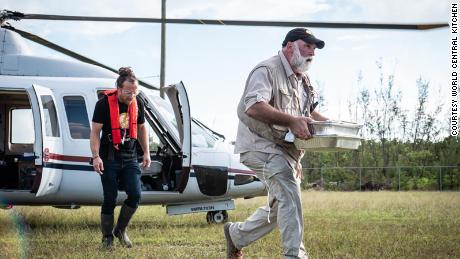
260,90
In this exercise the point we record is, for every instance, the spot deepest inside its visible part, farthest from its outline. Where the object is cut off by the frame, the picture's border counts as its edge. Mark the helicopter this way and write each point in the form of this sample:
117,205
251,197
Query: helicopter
44,130
45,109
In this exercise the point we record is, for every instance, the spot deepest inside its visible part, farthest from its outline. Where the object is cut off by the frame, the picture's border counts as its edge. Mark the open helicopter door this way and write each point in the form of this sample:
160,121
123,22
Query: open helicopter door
48,141
179,100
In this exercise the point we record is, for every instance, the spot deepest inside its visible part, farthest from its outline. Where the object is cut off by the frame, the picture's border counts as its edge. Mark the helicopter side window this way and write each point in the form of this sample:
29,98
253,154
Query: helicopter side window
77,117
51,122
21,123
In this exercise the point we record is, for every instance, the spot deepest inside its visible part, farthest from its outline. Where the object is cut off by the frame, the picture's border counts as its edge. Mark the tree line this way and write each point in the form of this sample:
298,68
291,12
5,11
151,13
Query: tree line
400,145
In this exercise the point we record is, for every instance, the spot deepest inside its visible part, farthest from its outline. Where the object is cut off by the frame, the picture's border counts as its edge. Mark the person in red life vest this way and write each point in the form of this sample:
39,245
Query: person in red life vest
119,114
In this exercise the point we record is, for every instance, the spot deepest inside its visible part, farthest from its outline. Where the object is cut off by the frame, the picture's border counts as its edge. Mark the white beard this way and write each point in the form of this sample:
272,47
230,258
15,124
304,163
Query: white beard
300,63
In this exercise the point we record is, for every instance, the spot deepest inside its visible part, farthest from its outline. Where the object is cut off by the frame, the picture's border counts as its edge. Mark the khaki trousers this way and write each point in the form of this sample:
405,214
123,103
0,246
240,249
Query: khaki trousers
284,205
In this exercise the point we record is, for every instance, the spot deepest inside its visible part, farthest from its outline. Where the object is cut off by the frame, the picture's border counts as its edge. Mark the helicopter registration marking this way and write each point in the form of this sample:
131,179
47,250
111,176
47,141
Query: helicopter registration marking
200,207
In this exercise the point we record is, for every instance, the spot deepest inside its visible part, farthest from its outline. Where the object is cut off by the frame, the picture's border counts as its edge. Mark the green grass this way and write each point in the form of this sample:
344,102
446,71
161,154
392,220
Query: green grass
337,225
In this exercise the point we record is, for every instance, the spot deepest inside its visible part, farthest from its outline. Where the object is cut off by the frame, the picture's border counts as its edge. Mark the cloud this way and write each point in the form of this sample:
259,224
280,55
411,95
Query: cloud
112,8
359,47
92,29
388,11
138,8
409,11
270,10
238,9
241,9
360,37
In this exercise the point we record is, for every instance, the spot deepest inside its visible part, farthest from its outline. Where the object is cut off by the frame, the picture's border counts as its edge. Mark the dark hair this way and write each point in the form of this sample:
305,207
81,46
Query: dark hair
125,74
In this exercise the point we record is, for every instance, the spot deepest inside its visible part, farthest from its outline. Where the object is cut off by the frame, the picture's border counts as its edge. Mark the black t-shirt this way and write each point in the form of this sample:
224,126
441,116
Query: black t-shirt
102,115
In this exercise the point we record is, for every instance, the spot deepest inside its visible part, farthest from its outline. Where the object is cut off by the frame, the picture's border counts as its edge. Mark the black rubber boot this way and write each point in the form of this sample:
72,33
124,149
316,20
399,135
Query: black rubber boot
126,213
106,228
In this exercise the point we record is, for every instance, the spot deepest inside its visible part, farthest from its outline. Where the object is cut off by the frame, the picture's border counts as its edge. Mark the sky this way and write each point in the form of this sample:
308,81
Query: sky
213,62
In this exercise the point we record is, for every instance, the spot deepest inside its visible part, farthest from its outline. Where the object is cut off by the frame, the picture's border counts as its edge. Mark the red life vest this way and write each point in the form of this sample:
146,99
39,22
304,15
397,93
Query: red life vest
115,117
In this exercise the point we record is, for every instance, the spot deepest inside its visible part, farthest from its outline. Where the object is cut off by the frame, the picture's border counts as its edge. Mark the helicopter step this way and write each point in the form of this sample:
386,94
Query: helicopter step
217,211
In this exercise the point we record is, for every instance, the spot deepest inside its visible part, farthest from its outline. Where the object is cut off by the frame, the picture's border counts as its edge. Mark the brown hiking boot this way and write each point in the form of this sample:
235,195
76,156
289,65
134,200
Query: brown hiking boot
232,251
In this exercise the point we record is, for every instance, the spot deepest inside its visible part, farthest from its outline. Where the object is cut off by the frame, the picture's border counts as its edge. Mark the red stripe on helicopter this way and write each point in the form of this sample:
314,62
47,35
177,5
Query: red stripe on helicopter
68,158
86,160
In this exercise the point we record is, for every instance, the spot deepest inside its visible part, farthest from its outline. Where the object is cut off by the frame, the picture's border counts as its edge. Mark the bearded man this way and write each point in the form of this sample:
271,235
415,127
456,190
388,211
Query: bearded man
278,98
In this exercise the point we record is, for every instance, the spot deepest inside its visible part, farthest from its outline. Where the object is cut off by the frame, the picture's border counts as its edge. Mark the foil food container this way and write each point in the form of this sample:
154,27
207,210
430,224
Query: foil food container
342,128
328,143
331,136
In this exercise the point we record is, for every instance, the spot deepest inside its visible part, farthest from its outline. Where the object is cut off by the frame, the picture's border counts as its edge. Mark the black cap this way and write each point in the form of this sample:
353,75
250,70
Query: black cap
303,34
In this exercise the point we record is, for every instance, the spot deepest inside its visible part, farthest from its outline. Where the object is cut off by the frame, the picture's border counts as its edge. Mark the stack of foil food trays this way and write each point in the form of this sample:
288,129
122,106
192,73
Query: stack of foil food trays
331,136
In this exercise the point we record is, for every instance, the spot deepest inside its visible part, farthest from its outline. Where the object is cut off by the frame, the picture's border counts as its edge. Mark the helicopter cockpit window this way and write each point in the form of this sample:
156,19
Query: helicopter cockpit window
77,117
200,137
166,111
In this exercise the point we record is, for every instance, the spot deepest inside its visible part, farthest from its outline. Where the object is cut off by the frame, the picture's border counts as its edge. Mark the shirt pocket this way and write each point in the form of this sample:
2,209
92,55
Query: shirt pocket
286,99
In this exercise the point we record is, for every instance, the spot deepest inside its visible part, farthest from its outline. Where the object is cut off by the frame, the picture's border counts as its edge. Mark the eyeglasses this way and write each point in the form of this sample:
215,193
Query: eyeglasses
127,92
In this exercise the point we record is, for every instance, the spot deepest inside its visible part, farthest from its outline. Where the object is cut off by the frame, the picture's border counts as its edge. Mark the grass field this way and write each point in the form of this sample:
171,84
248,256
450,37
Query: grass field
337,225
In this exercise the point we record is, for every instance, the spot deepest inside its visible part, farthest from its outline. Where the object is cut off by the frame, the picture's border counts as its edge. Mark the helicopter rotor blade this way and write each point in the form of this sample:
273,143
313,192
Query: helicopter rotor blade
68,52
338,25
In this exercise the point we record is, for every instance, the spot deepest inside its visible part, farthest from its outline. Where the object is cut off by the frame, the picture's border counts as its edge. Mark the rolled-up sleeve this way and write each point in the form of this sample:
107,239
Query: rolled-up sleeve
259,88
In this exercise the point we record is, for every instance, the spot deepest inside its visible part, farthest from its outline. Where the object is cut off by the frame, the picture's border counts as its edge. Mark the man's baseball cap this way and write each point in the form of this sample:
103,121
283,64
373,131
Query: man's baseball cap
303,34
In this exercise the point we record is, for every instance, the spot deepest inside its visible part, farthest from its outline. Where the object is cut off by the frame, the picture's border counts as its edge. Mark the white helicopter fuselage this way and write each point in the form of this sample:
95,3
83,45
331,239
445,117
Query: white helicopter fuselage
59,152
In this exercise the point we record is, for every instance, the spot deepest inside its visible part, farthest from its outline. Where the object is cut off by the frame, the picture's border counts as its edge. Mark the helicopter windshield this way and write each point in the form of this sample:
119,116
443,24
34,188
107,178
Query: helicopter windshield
201,138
